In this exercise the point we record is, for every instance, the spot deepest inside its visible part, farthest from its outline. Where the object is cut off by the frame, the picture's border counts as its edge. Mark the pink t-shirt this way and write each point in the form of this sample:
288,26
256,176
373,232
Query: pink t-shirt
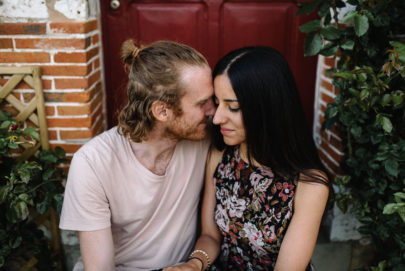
153,218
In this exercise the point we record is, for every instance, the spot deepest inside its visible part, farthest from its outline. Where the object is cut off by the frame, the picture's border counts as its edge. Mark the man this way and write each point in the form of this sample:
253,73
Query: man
132,192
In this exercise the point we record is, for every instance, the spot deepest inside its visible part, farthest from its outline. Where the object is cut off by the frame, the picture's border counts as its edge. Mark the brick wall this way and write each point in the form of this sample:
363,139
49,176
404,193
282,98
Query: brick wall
328,141
69,56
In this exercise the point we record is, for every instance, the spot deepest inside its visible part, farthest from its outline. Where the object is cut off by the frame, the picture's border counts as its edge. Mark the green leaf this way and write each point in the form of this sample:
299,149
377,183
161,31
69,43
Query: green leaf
331,111
21,210
324,10
4,115
364,94
360,25
48,174
397,98
345,75
330,32
386,124
5,124
49,157
307,7
313,44
31,131
391,166
354,92
400,49
329,49
43,206
16,243
4,192
20,189
349,16
398,196
311,26
25,175
59,202
347,45
386,99
26,198
59,152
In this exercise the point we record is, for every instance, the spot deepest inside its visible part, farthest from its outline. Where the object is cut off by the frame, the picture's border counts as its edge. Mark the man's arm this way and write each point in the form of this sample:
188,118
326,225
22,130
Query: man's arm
97,250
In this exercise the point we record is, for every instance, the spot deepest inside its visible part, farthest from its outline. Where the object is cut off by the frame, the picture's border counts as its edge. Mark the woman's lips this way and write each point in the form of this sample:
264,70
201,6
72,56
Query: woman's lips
225,131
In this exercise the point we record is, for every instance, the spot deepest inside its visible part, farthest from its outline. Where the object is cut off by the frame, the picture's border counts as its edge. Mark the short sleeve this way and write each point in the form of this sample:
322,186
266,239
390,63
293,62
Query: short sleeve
85,205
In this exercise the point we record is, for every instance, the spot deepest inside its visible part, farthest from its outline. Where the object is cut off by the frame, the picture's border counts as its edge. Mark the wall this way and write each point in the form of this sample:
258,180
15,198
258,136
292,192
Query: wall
343,226
63,38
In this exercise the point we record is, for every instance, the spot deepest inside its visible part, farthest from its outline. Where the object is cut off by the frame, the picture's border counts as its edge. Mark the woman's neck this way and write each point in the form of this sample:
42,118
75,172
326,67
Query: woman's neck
243,154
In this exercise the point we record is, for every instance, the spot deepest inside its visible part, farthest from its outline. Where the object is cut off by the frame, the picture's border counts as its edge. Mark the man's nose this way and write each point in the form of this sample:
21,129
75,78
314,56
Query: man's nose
210,108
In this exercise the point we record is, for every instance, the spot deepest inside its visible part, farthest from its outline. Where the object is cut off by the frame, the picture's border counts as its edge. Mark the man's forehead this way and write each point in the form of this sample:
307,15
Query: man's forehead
196,81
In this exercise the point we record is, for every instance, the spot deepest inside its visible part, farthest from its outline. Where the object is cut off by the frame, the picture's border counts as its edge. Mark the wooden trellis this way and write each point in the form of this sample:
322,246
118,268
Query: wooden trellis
31,76
34,111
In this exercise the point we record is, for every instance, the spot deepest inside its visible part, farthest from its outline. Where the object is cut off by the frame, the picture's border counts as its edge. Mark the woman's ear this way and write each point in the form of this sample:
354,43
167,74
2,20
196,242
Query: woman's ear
160,111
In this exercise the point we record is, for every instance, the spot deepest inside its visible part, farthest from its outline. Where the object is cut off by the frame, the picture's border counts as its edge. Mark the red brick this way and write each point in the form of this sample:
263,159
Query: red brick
53,43
79,97
82,134
21,57
69,70
76,57
22,28
75,122
335,169
325,84
325,146
67,83
52,135
335,142
73,27
71,83
6,43
71,57
96,63
330,61
326,98
79,110
95,39
49,110
323,109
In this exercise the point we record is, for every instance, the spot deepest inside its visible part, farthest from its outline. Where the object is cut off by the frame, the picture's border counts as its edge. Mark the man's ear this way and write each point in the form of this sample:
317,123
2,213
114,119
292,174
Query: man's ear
160,111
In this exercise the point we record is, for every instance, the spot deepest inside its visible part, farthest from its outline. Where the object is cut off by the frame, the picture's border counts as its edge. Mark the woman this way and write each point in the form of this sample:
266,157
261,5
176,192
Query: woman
265,189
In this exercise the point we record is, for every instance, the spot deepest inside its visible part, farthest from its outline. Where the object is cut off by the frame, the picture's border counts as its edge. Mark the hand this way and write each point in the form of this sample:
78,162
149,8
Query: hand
191,265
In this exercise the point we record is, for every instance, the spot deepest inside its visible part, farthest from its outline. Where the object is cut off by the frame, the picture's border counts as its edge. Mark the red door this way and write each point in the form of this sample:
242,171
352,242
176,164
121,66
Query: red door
213,27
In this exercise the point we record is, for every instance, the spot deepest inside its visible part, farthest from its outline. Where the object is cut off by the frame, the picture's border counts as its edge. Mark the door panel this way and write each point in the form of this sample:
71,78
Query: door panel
213,27
247,24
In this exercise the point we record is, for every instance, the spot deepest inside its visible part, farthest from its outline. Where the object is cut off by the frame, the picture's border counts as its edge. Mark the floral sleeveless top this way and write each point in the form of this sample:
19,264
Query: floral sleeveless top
254,207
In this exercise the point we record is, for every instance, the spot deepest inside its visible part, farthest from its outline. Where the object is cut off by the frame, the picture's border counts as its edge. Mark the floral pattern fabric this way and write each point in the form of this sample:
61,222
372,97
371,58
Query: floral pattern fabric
254,206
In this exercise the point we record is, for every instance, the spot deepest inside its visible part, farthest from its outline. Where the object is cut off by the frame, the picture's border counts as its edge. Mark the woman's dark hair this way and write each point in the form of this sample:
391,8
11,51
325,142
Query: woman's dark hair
277,134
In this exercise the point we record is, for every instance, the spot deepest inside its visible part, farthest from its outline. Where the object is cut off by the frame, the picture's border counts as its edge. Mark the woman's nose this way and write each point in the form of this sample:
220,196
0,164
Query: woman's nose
218,117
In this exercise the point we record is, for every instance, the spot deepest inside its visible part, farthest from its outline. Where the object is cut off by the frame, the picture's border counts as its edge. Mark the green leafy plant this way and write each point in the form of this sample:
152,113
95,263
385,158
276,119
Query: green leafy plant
369,112
27,189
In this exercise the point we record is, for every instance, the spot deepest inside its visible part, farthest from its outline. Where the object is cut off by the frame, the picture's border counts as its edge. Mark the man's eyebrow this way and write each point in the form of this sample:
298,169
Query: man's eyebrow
230,100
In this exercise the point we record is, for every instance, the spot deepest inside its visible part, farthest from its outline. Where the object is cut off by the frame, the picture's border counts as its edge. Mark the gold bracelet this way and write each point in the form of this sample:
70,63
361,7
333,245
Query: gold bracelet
203,253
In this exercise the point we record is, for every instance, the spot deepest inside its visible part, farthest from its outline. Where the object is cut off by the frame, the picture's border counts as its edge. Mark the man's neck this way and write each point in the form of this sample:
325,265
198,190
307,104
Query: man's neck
155,153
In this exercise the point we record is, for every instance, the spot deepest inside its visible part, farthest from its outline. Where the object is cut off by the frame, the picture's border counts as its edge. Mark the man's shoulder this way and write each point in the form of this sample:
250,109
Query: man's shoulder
103,143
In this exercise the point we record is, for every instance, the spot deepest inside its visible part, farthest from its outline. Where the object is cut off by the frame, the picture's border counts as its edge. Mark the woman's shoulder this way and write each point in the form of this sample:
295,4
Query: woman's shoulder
214,158
316,176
